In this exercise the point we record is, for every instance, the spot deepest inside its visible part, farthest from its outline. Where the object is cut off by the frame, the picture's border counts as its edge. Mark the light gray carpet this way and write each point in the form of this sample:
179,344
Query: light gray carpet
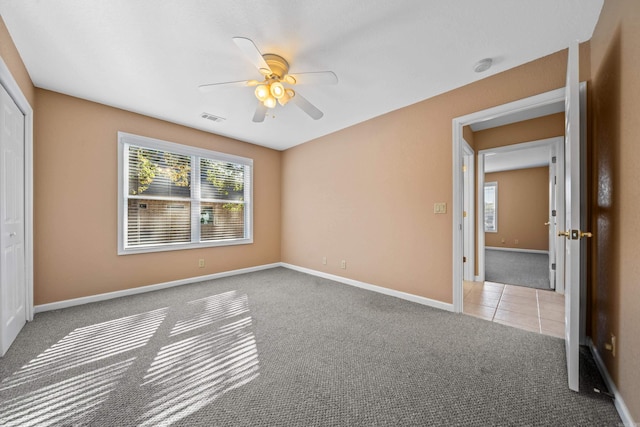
517,268
281,348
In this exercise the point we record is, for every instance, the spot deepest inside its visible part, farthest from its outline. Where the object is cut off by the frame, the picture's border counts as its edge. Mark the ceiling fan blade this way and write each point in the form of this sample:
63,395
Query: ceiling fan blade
239,83
316,78
261,112
307,107
252,53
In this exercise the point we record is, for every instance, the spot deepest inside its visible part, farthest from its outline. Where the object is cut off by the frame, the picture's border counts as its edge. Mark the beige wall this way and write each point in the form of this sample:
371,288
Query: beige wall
516,133
615,193
76,195
366,194
11,58
523,208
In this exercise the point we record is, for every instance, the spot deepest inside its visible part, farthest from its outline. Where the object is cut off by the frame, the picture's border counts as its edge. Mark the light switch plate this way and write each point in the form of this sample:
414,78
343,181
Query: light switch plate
440,208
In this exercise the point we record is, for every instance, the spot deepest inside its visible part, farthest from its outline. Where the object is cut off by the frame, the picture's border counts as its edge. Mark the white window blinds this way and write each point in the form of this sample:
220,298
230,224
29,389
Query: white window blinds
175,196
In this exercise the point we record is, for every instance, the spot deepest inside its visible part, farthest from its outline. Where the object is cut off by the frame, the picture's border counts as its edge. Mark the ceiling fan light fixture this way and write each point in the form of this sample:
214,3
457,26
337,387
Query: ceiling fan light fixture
270,102
262,92
286,97
277,90
290,79
253,83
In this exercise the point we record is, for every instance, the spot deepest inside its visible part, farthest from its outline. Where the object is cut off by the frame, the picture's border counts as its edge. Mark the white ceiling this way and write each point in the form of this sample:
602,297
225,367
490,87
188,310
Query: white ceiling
517,159
149,56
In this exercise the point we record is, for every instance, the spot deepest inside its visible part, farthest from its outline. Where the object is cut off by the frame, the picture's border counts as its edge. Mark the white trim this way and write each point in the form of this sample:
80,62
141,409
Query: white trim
142,289
469,234
477,279
480,238
533,251
379,289
621,407
11,86
150,288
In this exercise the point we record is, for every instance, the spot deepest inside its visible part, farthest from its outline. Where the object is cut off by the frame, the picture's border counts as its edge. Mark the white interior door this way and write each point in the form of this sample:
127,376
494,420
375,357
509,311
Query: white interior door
12,224
572,235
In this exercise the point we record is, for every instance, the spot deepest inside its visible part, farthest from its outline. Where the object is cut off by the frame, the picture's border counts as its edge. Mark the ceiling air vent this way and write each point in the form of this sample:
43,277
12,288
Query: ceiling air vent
212,117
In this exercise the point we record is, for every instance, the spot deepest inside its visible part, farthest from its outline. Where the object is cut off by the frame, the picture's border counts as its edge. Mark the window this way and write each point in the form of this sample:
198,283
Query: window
173,196
491,207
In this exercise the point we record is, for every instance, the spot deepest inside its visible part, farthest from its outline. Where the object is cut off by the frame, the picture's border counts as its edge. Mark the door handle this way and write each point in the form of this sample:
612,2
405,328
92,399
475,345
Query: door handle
12,234
547,223
575,234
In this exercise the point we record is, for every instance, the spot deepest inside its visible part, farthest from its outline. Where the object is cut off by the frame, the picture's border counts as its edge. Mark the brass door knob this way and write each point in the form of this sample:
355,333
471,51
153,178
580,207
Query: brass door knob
564,233
585,234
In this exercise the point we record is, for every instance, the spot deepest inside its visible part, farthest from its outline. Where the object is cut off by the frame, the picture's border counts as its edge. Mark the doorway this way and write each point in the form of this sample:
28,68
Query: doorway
516,239
521,216
535,106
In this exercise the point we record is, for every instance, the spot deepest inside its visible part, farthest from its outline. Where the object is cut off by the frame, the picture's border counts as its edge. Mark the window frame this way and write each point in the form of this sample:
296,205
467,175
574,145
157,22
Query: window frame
493,184
195,199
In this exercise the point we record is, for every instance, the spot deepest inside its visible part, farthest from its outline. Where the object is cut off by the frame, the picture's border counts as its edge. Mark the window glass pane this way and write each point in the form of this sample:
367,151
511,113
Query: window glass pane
159,173
161,209
221,221
491,207
153,222
221,180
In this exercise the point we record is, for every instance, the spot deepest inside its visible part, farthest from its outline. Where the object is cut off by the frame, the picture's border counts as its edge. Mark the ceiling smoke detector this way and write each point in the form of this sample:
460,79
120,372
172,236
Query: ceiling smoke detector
483,65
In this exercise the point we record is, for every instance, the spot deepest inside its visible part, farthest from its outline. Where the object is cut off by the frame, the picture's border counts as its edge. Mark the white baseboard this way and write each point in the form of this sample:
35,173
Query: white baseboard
532,251
386,291
142,289
622,409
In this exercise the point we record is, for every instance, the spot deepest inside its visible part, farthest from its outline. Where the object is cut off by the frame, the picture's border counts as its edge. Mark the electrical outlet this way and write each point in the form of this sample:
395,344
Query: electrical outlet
440,208
343,264
324,260
201,263
516,241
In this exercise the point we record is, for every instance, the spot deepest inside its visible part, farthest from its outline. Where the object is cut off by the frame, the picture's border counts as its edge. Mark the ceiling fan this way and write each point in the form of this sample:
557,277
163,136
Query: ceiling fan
276,86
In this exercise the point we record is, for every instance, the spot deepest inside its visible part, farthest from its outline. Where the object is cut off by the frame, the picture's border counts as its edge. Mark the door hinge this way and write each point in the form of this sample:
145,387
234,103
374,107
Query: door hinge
464,214
464,259
553,266
555,180
554,159
553,212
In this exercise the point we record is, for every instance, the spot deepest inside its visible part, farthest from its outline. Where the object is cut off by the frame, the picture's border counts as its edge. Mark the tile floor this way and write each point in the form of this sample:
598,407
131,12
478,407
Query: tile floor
521,307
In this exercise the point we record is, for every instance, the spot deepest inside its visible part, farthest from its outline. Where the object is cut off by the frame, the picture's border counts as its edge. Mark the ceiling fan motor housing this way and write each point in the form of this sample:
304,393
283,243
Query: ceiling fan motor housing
279,66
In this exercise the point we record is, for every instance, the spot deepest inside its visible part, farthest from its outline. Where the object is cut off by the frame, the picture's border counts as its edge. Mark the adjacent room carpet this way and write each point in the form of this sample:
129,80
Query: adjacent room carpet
278,347
517,268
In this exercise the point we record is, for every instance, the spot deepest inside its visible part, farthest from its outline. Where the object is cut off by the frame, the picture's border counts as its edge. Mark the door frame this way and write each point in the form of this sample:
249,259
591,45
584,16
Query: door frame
458,123
469,232
555,144
11,86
